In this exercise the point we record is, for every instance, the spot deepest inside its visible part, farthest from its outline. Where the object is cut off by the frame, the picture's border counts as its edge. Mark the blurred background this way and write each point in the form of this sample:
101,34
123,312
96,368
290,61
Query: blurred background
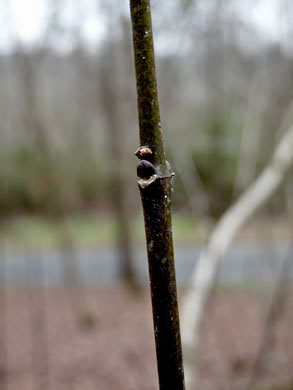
74,300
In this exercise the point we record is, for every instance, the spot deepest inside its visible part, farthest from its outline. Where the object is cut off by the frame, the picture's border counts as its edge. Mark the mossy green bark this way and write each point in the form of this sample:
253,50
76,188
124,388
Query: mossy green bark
155,184
147,93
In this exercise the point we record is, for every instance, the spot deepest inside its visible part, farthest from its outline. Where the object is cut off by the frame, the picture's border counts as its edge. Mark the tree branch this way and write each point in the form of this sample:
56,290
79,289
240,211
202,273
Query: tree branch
155,185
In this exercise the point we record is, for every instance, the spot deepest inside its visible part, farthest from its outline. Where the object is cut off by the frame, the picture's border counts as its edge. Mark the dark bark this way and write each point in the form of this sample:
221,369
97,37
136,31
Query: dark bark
155,184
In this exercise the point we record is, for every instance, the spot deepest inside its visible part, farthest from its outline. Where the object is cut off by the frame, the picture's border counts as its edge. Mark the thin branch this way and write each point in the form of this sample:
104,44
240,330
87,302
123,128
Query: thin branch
155,184
3,323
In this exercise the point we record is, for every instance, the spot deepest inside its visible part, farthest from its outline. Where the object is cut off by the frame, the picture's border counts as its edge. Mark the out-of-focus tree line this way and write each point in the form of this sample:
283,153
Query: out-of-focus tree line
68,118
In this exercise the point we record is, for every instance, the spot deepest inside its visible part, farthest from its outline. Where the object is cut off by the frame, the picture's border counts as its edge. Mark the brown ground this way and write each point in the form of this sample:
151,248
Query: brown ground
103,339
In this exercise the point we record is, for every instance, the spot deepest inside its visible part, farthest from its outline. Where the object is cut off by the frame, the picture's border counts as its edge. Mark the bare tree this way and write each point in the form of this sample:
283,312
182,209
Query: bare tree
220,240
111,94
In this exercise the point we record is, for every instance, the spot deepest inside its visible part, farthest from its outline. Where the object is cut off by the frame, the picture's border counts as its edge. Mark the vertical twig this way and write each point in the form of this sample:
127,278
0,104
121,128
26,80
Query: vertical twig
275,312
155,184
39,327
3,323
120,203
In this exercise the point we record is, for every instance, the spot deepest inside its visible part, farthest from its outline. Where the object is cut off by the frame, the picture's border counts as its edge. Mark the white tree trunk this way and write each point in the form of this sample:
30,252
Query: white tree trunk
203,275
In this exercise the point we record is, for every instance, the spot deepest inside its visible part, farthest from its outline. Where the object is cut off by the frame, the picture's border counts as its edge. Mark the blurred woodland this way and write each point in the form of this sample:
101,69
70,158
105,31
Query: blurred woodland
69,120
69,130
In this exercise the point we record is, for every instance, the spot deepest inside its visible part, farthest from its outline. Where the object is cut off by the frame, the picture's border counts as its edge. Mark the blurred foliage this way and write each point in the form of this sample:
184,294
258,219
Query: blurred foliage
67,181
77,177
216,170
216,164
226,80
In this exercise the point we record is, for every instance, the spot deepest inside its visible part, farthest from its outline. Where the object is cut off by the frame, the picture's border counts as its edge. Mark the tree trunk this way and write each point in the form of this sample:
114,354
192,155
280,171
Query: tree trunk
155,184
116,141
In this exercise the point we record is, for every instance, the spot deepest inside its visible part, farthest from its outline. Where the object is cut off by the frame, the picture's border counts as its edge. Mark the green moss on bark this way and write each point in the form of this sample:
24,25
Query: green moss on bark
148,102
155,184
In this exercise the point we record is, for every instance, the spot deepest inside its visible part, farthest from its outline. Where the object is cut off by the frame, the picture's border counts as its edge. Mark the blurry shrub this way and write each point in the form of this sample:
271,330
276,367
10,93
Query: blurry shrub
32,182
216,170
78,176
216,164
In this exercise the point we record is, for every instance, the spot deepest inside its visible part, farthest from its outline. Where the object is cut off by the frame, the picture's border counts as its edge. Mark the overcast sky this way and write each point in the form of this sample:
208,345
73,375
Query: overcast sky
26,20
